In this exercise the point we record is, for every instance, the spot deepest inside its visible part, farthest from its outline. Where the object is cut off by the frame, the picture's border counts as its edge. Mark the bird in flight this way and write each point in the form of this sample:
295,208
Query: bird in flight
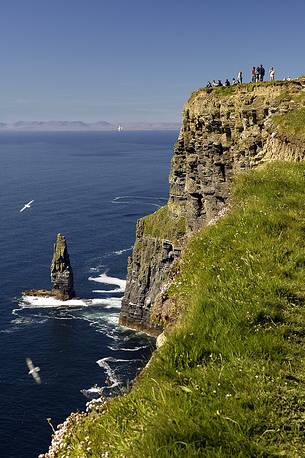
28,205
33,371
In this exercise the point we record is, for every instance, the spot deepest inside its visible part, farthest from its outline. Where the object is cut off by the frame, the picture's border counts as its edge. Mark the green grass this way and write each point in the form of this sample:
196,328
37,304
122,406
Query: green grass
163,225
292,122
225,91
230,381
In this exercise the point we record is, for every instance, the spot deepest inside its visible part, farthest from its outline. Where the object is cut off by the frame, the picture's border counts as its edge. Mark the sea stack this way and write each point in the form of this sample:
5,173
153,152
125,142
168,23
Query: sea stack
61,270
61,274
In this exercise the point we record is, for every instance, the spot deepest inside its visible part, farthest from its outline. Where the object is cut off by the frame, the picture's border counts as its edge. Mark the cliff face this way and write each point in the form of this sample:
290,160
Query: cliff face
224,131
148,269
61,270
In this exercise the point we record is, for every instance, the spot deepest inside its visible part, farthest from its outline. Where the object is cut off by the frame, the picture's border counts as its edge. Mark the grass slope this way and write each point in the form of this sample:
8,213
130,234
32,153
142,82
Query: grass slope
292,123
162,225
230,381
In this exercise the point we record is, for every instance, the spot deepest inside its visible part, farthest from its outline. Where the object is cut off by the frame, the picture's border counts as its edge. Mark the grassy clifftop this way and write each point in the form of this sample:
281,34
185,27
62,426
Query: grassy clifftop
223,91
162,225
230,380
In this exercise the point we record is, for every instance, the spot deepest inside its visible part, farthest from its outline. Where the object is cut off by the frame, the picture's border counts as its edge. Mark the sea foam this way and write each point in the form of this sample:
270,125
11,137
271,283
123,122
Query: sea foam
107,280
50,302
114,381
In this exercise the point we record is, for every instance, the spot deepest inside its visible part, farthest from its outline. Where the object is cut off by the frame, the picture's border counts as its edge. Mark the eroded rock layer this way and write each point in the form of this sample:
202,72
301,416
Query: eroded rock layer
224,131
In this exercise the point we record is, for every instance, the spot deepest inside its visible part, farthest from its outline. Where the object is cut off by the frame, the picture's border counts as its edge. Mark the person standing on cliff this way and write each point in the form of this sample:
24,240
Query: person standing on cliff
261,72
240,77
271,73
253,74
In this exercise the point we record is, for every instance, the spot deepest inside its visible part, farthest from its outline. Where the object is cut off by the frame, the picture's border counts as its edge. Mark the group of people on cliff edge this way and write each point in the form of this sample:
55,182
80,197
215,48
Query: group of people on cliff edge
257,75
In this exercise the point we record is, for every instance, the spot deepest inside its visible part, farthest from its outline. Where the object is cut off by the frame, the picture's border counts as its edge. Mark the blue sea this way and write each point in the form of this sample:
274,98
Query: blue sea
91,187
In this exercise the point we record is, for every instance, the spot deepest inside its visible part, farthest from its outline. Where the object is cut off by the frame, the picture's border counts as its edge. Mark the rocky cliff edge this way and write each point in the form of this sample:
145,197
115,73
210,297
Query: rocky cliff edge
225,130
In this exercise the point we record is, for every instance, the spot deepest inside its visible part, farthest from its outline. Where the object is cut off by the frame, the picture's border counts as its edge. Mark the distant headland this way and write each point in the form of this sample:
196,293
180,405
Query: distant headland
54,126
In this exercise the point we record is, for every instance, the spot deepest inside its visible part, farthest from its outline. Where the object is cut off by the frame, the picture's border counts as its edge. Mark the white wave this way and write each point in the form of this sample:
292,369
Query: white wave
92,392
107,280
94,389
109,302
28,320
113,336
102,323
109,319
123,201
44,301
111,359
115,290
110,254
9,330
117,198
110,373
127,349
50,302
119,252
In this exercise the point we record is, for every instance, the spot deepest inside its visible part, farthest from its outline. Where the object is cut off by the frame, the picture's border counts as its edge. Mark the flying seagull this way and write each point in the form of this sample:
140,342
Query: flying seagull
28,205
33,371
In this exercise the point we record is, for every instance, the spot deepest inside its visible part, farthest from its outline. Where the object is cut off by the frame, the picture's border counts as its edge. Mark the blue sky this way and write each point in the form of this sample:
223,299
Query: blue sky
132,60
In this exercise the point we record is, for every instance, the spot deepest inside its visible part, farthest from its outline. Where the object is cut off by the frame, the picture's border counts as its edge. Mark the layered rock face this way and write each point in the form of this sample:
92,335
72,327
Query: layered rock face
222,135
224,131
148,269
61,270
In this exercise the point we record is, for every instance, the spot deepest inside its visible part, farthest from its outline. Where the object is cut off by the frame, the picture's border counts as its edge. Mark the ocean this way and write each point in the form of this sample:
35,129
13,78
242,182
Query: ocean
91,187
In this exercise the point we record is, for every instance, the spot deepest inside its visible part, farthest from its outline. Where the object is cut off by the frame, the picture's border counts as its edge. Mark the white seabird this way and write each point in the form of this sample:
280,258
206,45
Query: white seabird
33,371
28,205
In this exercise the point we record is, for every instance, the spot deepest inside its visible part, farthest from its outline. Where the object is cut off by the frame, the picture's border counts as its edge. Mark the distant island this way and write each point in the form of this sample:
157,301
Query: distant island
85,126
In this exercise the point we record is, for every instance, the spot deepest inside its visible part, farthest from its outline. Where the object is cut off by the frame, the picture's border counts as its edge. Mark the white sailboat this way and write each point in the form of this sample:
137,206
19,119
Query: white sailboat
120,128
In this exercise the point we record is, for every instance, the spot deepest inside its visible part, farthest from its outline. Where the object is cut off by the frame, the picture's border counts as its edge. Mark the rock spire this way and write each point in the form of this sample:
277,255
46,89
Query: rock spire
61,274
61,270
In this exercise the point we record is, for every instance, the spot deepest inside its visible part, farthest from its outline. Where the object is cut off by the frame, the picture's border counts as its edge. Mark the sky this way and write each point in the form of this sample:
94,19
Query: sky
132,60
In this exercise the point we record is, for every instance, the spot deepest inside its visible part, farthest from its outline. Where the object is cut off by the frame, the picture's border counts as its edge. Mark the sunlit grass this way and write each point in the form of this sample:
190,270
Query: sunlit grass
292,122
223,91
230,380
163,225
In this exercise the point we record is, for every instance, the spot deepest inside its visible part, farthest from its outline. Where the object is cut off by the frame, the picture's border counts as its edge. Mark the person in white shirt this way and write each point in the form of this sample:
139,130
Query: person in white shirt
240,77
272,73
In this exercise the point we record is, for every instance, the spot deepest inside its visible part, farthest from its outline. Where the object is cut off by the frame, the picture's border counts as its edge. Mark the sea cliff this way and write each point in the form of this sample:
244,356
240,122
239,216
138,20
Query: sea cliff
225,130
228,377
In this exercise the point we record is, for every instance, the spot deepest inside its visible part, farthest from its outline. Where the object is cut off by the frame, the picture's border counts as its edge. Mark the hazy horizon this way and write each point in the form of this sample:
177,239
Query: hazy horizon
78,125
